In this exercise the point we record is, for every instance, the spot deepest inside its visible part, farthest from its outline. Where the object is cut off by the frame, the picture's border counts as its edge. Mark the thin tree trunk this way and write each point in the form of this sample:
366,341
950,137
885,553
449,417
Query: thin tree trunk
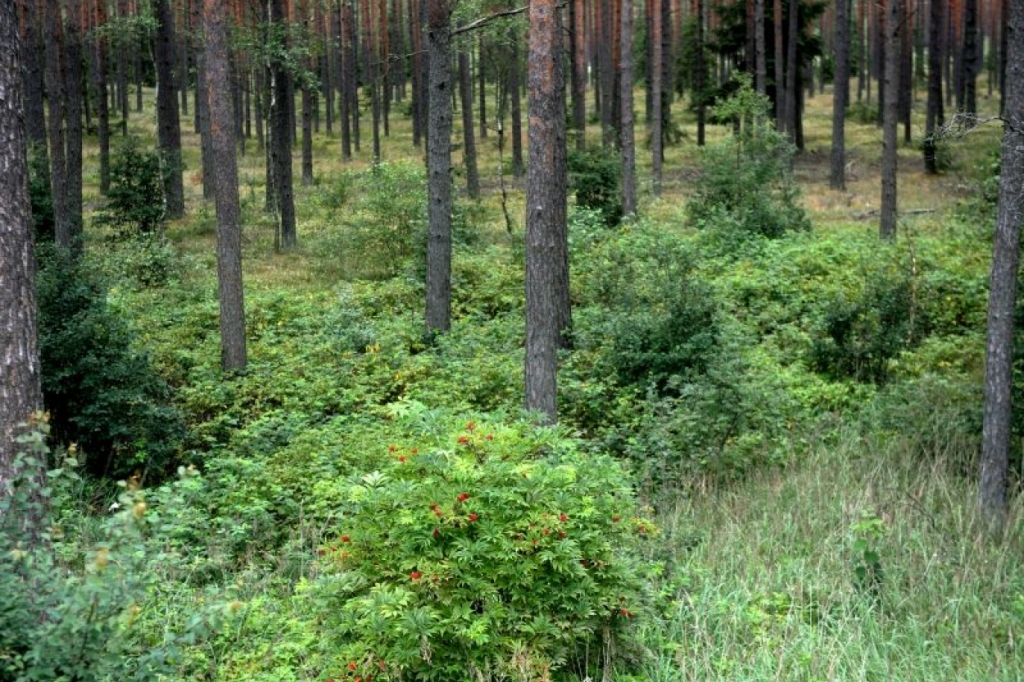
439,167
468,137
231,296
890,118
841,96
781,99
971,61
168,124
99,74
760,60
281,137
516,109
657,133
33,59
579,66
628,137
482,85
700,81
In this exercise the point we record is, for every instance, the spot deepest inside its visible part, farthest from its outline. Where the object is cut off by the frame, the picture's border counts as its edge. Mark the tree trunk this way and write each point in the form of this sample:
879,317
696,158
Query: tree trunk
482,85
657,121
628,136
890,117
439,167
225,186
547,273
934,116
202,110
781,116
99,75
971,60
33,59
307,135
281,136
579,69
996,427
468,137
760,60
73,80
168,125
841,96
700,83
56,98
516,107
345,75
20,392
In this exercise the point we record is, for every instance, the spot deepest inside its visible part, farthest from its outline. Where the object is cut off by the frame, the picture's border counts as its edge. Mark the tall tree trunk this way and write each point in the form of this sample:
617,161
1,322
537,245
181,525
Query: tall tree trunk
202,110
225,186
996,426
547,266
307,135
700,84
516,107
99,74
781,99
56,99
481,62
417,73
628,136
168,124
345,75
657,121
439,167
578,84
20,392
760,59
890,117
793,89
841,96
468,137
934,114
33,59
281,136
73,80
971,61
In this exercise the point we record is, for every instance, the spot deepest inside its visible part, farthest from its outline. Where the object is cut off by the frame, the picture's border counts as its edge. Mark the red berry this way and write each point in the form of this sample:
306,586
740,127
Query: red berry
437,533
616,518
563,518
463,440
392,448
415,451
345,538
462,497
321,551
415,575
470,426
352,665
489,436
473,517
561,533
402,458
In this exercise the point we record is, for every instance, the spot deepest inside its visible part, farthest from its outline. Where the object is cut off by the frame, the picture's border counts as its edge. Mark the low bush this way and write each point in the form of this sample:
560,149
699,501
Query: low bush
495,554
101,392
594,176
135,201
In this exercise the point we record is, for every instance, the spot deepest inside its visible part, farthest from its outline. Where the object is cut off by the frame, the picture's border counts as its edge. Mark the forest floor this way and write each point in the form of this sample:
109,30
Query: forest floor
830,536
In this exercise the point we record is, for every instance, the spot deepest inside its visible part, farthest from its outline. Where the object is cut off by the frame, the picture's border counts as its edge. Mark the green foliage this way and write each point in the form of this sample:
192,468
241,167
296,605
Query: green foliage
40,195
101,391
866,534
498,552
594,176
860,337
746,188
135,203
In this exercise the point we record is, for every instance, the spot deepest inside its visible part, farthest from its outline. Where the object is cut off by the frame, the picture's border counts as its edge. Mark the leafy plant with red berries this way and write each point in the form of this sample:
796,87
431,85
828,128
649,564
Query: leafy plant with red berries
496,554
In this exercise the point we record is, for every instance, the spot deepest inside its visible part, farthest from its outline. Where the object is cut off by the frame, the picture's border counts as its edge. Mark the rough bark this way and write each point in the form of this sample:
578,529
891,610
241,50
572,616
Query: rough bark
841,96
516,110
307,134
56,97
33,58
657,102
934,113
992,488
468,136
345,74
168,125
579,71
970,63
700,83
99,76
225,186
20,392
73,81
281,137
781,116
439,167
628,137
760,61
890,117
547,274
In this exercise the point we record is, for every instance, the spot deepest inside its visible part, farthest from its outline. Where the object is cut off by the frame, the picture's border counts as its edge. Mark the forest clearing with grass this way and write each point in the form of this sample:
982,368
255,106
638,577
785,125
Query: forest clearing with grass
764,465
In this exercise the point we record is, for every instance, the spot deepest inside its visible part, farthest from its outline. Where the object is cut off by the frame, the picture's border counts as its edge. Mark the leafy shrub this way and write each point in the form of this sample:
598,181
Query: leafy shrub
40,195
861,335
135,201
496,554
102,393
594,176
746,179
393,227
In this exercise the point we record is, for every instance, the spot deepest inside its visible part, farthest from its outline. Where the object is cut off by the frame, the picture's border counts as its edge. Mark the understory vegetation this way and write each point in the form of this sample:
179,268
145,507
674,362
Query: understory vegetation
764,467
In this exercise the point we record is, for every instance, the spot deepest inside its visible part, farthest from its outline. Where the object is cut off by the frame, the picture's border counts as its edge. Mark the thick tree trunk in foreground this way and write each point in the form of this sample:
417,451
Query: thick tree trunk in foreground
995,449
890,117
225,186
168,125
841,96
547,272
20,392
439,166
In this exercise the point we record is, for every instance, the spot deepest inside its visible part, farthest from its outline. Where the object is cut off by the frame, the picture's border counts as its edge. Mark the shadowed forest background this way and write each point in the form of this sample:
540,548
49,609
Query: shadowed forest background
286,435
